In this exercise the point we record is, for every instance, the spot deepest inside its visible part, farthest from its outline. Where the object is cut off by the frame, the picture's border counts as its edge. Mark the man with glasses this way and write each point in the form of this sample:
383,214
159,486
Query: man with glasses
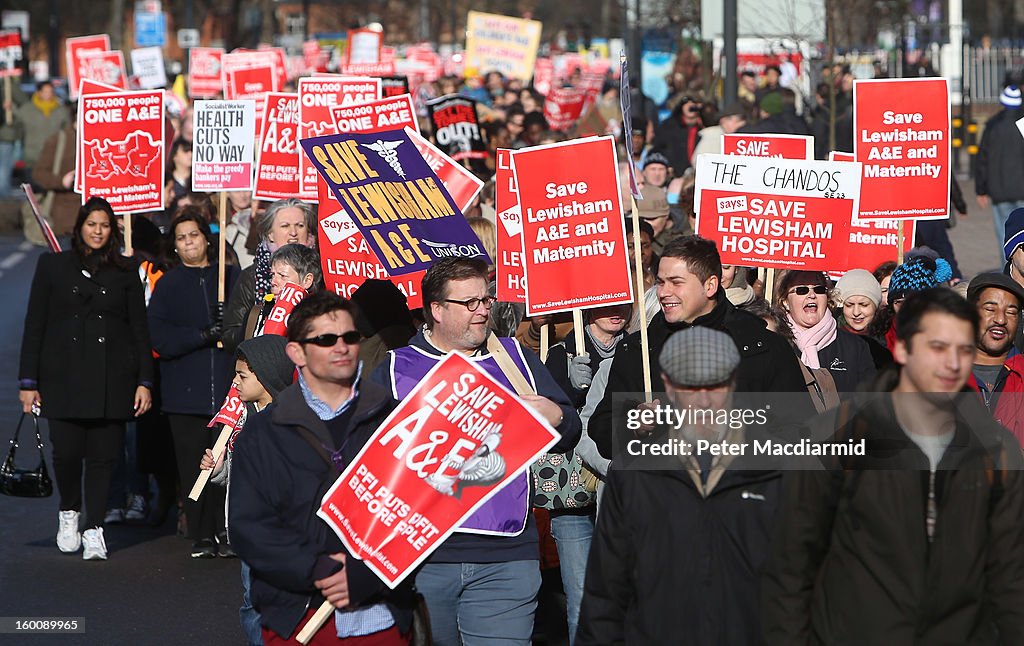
481,585
285,461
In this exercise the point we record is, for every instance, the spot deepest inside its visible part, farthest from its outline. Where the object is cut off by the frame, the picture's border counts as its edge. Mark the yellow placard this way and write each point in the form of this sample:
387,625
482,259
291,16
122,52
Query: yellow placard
501,43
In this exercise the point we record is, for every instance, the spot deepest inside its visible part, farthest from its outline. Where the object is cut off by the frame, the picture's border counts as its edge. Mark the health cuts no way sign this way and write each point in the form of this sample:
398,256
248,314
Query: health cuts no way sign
778,213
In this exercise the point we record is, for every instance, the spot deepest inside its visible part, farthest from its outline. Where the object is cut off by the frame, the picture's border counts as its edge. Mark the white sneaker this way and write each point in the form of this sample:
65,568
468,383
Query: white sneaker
136,508
68,538
95,546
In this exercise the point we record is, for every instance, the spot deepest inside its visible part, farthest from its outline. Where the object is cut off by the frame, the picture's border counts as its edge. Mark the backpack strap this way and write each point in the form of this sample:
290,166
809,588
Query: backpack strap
315,443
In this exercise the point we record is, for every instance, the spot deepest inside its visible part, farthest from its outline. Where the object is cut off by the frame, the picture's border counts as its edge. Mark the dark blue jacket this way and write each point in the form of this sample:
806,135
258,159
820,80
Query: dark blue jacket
194,376
278,479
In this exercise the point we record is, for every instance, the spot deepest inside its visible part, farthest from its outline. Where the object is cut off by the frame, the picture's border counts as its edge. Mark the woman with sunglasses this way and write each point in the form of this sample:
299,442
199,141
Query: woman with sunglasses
804,297
186,327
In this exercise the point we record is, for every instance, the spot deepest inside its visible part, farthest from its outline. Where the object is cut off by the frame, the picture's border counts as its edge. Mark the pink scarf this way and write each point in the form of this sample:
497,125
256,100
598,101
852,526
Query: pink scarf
812,339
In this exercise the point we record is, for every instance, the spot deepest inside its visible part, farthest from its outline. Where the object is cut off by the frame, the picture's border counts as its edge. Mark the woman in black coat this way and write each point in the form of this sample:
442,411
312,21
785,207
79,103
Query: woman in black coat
86,363
194,373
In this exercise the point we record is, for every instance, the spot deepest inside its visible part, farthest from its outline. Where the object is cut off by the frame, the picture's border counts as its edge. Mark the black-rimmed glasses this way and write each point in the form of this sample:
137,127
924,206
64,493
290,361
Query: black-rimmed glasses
473,304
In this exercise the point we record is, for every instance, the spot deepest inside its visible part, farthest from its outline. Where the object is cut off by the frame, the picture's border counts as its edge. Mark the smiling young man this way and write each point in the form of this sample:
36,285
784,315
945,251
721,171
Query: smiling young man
285,460
918,541
998,373
481,585
690,293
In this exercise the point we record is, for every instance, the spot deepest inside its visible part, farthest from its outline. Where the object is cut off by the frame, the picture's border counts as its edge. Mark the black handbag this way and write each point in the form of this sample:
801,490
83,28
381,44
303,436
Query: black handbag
25,483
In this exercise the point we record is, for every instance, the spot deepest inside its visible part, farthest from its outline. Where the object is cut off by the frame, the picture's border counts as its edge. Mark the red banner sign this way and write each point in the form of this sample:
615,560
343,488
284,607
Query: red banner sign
123,150
563,107
901,136
376,116
781,146
452,444
779,213
74,49
104,67
277,163
574,250
204,73
317,97
230,411
277,321
510,276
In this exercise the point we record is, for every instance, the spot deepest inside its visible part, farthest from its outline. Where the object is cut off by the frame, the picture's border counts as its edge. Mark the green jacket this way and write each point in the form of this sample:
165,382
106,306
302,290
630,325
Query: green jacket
37,128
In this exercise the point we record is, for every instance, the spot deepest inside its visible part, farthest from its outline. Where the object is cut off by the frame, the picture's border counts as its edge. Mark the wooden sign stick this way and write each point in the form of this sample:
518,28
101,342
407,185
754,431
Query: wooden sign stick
204,474
638,273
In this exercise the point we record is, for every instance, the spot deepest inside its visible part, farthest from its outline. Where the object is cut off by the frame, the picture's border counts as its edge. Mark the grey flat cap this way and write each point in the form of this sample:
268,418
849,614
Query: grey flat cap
699,356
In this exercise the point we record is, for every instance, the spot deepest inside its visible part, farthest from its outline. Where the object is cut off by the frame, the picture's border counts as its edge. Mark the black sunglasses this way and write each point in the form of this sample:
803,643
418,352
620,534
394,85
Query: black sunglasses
352,337
804,290
473,304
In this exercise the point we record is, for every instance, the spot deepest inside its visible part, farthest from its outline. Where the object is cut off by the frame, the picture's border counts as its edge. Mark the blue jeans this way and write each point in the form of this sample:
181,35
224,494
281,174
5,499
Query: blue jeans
6,166
247,614
573,532
1000,214
481,603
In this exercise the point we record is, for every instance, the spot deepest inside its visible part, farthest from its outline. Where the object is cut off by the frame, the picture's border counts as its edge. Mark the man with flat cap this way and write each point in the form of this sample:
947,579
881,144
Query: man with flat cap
681,537
998,373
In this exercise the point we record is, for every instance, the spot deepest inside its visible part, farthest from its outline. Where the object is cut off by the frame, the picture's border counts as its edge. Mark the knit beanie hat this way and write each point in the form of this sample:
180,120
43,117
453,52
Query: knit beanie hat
1013,233
859,282
917,275
1010,98
268,361
772,103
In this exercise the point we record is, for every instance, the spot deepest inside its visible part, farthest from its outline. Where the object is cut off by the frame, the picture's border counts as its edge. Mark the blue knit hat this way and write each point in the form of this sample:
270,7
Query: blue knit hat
1013,233
916,275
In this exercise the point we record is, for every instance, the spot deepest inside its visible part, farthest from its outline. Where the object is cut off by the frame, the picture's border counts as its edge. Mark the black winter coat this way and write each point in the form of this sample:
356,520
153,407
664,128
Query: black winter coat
277,482
998,172
670,564
849,361
239,305
86,343
672,139
767,365
851,562
194,375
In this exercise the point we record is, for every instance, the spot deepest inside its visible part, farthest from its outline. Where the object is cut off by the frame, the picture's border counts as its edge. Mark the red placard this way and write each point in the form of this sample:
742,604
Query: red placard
510,276
781,146
563,107
104,67
462,185
779,213
230,411
376,116
85,87
317,96
277,163
10,53
249,82
347,261
204,72
123,150
543,75
901,136
74,49
574,238
280,61
412,484
277,321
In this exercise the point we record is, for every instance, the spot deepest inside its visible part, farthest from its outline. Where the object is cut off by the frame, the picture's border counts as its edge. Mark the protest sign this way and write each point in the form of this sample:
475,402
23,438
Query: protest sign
461,184
317,95
780,146
277,166
277,321
105,67
368,69
86,87
376,116
627,125
249,82
222,145
205,80
393,86
10,52
314,57
453,443
509,274
901,136
74,49
123,150
457,127
280,62
574,250
230,411
400,206
345,258
777,213
148,67
873,241
501,43
363,47
563,107
544,75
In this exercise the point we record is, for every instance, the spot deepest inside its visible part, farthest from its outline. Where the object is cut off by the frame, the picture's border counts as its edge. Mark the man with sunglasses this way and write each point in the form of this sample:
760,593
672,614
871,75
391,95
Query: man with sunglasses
481,585
284,462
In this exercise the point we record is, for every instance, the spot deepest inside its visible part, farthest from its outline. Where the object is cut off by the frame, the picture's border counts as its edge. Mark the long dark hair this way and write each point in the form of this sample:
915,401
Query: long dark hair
107,255
189,214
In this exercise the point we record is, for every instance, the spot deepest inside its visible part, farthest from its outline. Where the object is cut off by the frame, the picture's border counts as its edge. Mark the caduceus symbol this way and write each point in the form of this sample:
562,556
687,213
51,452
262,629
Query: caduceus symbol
386,149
